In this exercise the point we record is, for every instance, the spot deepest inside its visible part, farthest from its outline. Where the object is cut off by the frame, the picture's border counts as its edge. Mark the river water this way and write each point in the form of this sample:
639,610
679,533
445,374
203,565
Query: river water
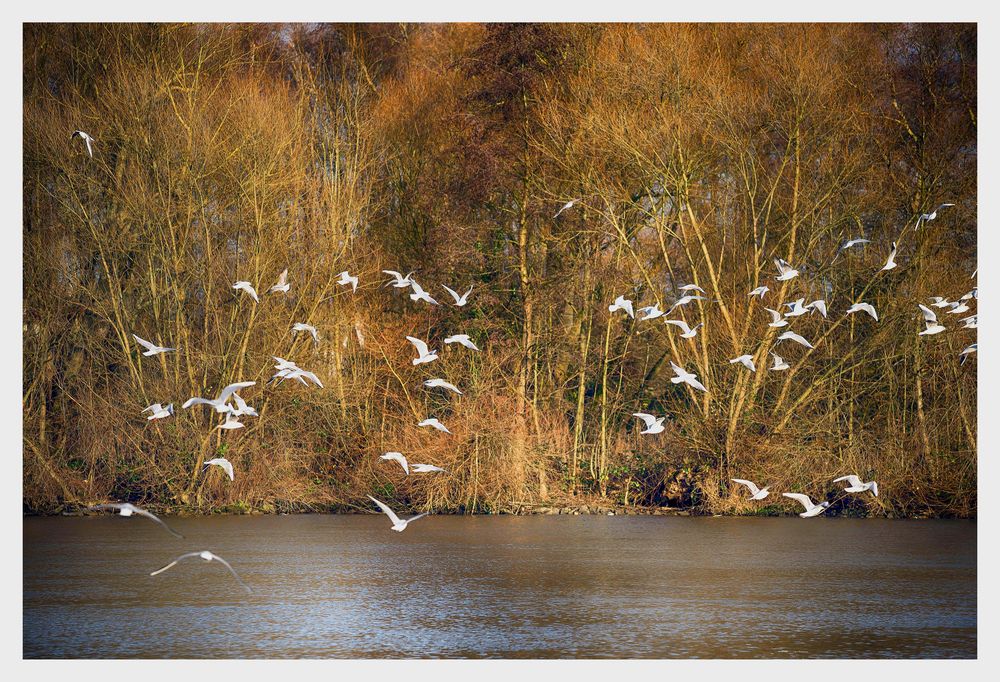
329,586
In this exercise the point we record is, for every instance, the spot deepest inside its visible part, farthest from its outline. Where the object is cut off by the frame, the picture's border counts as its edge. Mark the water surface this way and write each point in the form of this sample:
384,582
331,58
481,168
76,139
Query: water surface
328,586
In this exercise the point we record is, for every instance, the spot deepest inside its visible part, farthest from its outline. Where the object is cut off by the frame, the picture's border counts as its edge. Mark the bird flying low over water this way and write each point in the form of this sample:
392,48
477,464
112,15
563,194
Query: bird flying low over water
219,402
568,205
398,524
425,468
755,492
930,321
397,457
159,412
151,348
222,463
792,336
686,377
811,509
759,292
776,319
651,312
419,294
207,556
927,217
745,360
891,263
863,307
964,355
346,278
126,509
441,383
398,281
432,421
688,332
247,287
462,339
856,486
653,424
86,138
282,285
785,271
424,355
303,327
460,300
622,303
779,363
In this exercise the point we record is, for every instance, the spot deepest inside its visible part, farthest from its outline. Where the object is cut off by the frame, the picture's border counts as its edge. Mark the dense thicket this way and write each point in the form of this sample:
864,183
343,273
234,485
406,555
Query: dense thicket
697,152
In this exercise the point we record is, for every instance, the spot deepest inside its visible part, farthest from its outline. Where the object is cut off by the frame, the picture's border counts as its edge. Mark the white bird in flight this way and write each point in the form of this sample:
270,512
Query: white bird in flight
462,339
441,383
863,307
568,205
811,509
856,486
759,292
930,321
460,300
242,408
219,402
207,556
891,263
299,374
957,308
927,217
653,424
755,492
686,377
651,312
86,138
819,305
247,287
690,287
622,303
964,355
346,278
776,319
398,524
971,322
425,468
282,285
688,332
151,348
940,302
745,360
223,464
399,281
684,300
785,271
853,242
792,336
797,308
779,363
419,294
231,422
432,421
397,457
424,354
158,411
303,327
126,509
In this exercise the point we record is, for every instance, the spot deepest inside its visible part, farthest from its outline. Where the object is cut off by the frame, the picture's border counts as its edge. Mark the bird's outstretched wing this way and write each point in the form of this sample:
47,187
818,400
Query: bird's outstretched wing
750,484
418,344
649,419
679,323
414,518
385,510
176,561
149,515
454,294
802,499
196,401
232,388
929,315
144,342
231,570
852,479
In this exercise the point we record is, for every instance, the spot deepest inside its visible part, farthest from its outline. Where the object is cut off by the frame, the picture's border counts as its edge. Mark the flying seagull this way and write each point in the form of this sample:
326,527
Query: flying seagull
299,374
651,312
424,354
222,463
940,302
688,332
397,457
346,278
151,348
207,556
398,524
653,424
785,271
567,205
891,263
400,282
853,242
622,303
684,300
425,468
957,308
303,327
746,361
242,408
690,287
86,138
779,363
686,377
856,486
776,319
419,294
964,355
432,421
927,217
797,308
863,307
231,422
819,306
792,336
759,292
462,339
219,402
755,492
971,322
811,509
126,509
158,411
247,287
441,383
459,300
282,285
930,321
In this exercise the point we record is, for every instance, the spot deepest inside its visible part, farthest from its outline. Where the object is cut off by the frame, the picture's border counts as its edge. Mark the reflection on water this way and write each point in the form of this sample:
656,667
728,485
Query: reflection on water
507,587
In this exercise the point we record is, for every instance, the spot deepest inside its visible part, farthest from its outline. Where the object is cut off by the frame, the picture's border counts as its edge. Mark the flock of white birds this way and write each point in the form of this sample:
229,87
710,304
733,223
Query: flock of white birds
230,404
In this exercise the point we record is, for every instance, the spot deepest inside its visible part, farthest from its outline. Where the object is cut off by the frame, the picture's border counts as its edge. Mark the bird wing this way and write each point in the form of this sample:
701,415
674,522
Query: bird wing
679,323
414,518
196,401
385,510
782,266
647,418
232,388
694,383
283,277
398,276
149,515
677,370
852,479
418,344
802,499
176,561
144,342
454,294
775,315
231,570
750,484
929,315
